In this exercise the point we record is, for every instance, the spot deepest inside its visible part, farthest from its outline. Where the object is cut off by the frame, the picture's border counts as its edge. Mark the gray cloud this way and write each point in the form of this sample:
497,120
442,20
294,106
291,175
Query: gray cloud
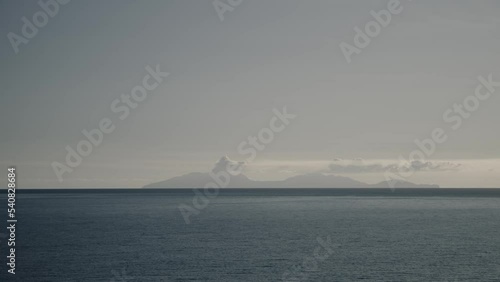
223,163
362,167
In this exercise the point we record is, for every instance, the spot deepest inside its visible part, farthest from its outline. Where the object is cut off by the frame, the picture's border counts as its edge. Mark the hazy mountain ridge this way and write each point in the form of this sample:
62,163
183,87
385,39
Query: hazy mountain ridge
311,180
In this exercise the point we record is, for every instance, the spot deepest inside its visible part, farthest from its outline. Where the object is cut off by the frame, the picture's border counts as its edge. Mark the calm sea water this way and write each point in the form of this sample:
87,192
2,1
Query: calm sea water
143,237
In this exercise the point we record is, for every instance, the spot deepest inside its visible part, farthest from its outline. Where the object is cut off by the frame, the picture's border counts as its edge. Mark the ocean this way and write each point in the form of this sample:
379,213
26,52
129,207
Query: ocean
256,235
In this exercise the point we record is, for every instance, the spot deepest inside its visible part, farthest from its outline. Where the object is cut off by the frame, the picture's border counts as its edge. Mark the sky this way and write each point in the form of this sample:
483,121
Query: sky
228,72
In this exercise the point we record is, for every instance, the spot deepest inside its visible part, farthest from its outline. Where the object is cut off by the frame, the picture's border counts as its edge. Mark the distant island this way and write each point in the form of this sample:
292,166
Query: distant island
310,180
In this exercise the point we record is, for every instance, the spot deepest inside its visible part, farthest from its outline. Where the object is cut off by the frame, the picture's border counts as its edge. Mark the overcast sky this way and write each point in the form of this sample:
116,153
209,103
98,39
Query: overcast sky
226,77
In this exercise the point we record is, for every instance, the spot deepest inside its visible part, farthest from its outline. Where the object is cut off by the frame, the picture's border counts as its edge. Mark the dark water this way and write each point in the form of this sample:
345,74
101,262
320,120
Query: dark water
125,236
